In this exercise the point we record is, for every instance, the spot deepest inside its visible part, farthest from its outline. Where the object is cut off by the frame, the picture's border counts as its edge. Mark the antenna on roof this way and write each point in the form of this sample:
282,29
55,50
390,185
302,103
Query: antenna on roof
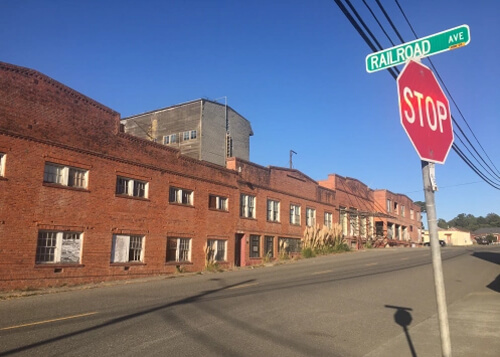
291,163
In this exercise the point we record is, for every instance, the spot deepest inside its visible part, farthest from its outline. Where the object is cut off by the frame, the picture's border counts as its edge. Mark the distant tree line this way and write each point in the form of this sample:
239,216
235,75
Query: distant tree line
466,222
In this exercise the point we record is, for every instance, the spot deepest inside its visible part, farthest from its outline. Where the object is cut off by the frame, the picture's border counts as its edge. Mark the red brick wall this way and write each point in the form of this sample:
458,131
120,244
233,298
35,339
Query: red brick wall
43,121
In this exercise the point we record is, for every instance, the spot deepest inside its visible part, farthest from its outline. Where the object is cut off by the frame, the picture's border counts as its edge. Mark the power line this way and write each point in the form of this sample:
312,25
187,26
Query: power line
392,71
452,99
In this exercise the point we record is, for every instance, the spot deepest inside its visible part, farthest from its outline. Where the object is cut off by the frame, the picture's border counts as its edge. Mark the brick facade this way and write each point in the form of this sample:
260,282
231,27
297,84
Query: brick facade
45,126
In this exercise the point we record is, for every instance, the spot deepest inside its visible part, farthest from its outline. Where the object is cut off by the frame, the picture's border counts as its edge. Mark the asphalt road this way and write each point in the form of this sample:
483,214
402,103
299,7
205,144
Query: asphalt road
342,305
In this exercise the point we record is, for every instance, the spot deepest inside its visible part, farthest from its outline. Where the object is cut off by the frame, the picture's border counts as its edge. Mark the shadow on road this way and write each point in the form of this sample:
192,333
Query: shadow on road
488,256
493,258
403,318
187,300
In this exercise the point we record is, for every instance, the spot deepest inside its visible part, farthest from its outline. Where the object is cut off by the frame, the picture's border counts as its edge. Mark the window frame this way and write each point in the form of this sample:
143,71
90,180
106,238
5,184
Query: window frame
122,250
254,249
217,202
218,248
295,218
180,254
284,245
180,196
248,205
65,175
310,219
3,158
328,219
269,246
126,186
57,249
273,210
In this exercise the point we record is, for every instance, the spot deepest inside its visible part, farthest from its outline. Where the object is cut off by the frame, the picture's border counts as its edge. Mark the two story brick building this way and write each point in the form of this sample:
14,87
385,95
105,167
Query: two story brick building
83,201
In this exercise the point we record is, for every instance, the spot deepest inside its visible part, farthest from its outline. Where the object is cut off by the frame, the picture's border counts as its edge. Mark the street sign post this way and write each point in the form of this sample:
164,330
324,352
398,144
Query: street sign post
425,112
423,47
426,118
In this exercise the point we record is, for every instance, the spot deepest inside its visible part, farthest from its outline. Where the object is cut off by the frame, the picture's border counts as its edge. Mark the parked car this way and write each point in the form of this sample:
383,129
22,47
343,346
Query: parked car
442,243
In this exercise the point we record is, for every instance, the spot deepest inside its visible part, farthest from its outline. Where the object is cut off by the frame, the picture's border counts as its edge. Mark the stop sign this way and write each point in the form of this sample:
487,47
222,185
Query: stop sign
425,112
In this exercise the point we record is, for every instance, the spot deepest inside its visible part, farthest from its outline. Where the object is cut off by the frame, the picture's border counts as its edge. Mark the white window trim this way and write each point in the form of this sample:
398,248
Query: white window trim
3,158
58,247
294,215
178,194
215,245
247,210
328,219
177,250
130,187
310,217
273,210
120,249
65,175
221,203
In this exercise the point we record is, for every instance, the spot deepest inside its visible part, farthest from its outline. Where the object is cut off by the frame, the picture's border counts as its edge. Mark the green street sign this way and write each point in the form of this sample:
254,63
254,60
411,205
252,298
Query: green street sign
423,47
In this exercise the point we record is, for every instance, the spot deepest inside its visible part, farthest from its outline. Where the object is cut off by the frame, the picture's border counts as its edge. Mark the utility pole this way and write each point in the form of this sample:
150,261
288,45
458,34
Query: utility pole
291,152
428,176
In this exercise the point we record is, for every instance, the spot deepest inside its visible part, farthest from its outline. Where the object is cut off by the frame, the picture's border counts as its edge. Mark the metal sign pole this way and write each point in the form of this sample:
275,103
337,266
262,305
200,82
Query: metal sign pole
429,188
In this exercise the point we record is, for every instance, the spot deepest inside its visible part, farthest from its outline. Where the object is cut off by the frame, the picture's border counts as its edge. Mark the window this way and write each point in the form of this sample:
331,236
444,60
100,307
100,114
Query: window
181,196
362,227
193,134
353,222
2,164
290,245
402,210
179,250
269,246
127,248
185,136
130,187
396,208
328,219
247,206
310,217
254,246
58,247
65,175
229,146
273,211
389,206
412,214
166,140
217,202
295,214
343,220
218,249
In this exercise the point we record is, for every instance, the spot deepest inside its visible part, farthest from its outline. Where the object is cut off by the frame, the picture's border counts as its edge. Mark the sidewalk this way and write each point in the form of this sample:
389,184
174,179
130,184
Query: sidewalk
474,328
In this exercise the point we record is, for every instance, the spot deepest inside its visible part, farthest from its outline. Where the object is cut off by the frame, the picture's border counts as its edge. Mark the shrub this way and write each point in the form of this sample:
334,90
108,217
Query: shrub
308,253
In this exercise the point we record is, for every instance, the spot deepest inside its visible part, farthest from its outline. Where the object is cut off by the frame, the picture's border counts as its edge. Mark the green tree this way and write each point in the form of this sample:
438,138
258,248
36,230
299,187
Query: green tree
423,208
442,223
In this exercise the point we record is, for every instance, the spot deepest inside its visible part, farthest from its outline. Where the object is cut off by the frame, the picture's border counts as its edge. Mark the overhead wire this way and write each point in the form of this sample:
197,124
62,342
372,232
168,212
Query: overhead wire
448,92
393,71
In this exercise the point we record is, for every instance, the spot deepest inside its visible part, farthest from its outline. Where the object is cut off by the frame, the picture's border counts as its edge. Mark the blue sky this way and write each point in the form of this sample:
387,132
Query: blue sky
295,69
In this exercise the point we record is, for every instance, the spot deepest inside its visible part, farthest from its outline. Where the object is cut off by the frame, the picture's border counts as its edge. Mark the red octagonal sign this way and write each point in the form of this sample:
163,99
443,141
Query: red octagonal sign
425,112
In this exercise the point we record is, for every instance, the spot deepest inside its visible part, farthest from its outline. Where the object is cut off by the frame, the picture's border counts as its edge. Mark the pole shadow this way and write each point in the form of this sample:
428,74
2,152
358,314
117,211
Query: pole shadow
403,318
